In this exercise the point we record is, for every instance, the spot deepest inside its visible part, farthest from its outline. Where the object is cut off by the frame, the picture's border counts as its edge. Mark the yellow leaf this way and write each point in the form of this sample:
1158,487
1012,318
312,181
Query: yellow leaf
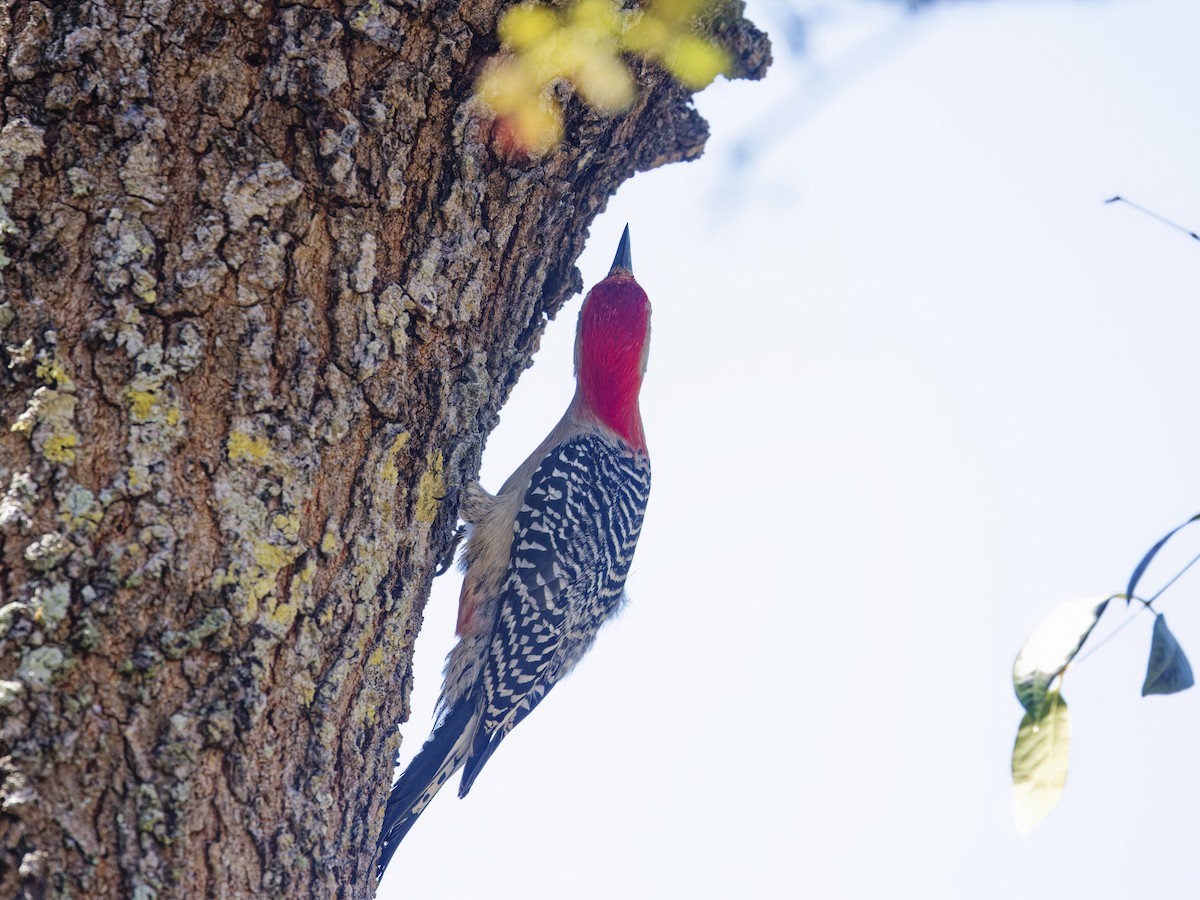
648,37
678,13
538,124
506,85
606,84
525,25
696,62
561,56
602,17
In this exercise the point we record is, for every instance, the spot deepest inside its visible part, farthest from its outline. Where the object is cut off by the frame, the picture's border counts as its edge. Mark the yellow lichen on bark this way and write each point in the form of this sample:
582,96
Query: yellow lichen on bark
431,489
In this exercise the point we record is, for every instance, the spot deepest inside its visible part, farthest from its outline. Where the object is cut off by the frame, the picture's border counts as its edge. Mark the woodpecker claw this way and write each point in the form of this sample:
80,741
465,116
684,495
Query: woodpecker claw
622,262
446,560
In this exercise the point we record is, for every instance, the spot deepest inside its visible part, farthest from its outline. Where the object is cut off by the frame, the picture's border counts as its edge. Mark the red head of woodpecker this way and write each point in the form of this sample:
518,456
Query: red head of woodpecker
546,557
611,349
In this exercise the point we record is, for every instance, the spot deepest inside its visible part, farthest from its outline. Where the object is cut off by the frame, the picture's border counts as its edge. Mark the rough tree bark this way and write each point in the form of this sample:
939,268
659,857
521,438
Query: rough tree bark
266,283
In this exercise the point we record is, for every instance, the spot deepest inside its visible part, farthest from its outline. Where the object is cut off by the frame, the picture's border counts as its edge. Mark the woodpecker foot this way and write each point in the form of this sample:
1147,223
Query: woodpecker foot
446,560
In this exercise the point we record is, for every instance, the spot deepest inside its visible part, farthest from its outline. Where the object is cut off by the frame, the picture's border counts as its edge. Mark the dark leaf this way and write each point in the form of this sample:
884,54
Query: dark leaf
1168,670
1141,567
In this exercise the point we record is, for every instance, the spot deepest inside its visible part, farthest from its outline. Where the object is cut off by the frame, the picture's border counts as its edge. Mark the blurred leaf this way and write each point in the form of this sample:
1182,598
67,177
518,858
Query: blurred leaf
695,62
647,36
505,85
1039,761
1052,646
539,125
605,83
1141,567
675,10
581,44
1168,670
601,17
523,26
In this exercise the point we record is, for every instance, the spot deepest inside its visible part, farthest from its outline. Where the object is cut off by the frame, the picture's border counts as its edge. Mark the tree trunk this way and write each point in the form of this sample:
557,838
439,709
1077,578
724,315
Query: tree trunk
266,282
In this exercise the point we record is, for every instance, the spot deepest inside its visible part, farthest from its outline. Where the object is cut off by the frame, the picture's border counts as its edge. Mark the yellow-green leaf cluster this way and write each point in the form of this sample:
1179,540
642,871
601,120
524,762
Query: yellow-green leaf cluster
666,33
1039,761
583,45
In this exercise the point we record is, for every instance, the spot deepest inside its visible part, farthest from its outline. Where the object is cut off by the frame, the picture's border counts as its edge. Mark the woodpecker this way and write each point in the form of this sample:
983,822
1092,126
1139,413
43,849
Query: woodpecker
546,558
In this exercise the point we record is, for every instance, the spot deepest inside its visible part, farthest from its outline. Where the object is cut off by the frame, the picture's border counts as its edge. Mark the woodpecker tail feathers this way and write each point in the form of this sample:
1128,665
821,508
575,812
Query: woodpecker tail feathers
439,759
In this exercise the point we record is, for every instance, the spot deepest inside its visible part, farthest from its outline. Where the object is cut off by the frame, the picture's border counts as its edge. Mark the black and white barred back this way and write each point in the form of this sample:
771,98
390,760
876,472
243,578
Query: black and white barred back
573,544
572,547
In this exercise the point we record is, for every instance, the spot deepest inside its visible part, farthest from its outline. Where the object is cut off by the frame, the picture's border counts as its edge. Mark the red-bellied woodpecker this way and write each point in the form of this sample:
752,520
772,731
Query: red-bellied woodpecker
546,557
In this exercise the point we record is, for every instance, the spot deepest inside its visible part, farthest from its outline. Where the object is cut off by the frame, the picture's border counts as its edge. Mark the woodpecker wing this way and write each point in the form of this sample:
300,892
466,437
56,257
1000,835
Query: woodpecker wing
573,543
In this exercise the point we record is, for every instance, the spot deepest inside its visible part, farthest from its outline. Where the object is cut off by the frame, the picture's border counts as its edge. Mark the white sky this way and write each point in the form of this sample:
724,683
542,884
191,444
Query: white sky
911,385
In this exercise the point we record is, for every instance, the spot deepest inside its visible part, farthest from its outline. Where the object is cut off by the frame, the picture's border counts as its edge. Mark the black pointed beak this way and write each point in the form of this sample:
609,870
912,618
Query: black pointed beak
622,262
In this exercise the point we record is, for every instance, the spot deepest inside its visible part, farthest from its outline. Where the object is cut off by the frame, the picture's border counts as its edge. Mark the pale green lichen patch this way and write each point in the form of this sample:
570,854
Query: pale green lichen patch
261,194
364,271
10,612
19,140
20,354
150,812
187,349
375,20
39,665
258,505
372,555
48,420
380,328
215,625
391,310
137,480
369,565
156,421
121,253
51,603
142,171
49,417
427,284
47,551
151,396
261,262
46,405
10,692
18,503
369,569
78,509
81,181
202,271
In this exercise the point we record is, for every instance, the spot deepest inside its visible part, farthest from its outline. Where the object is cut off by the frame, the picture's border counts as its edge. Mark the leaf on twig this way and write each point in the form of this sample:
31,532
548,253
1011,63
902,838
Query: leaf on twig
1140,570
1039,761
1168,670
1051,647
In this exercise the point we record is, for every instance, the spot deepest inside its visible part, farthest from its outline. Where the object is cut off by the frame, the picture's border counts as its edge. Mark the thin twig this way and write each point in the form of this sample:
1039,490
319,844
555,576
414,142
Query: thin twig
1108,637
1154,215
1195,559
